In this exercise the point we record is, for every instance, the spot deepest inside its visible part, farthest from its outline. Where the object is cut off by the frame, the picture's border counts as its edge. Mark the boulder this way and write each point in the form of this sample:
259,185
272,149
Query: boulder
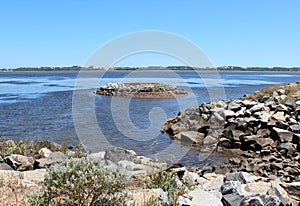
234,106
279,116
44,152
255,188
230,187
232,199
191,137
20,162
53,158
260,200
97,156
290,103
295,128
243,177
192,179
214,184
117,154
228,113
281,135
279,192
201,197
257,107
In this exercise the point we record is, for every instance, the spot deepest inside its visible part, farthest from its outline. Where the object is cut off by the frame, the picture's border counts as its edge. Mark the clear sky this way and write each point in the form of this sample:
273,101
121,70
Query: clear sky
231,32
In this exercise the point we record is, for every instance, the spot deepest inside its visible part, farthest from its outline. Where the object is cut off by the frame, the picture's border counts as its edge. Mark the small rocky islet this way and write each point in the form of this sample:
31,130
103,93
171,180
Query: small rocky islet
140,90
261,129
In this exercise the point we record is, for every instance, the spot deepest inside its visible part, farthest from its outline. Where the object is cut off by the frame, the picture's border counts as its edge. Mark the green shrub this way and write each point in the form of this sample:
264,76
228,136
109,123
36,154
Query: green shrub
167,181
81,182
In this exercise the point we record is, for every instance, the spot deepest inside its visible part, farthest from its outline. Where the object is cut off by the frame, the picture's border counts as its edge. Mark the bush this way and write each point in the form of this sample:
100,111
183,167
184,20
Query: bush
81,182
168,182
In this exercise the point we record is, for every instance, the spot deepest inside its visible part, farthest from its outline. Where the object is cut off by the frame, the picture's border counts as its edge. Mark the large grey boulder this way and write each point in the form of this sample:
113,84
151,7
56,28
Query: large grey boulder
135,165
190,137
243,177
20,162
232,199
230,187
117,154
281,134
44,152
53,158
192,179
214,184
199,198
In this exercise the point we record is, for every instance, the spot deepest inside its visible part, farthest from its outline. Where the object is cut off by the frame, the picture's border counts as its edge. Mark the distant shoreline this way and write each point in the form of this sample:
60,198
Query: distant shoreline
153,68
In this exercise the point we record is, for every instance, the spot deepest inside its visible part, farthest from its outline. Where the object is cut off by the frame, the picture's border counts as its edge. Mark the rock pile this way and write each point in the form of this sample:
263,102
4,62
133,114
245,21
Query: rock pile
262,128
140,90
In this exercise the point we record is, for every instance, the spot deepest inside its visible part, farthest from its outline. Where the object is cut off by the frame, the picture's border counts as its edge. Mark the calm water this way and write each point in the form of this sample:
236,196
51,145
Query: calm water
38,105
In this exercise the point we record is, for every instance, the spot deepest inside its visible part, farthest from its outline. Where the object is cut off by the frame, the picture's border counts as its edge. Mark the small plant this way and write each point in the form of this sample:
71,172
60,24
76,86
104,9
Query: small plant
167,181
81,182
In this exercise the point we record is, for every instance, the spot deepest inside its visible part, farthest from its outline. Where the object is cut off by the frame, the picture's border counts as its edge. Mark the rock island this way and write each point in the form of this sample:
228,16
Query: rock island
141,90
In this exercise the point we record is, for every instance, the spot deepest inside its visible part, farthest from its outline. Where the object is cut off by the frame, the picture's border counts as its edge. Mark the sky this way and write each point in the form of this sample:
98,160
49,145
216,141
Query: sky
36,33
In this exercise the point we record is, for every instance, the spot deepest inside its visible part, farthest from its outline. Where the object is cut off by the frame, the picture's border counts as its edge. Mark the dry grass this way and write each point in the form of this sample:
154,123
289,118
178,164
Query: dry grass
292,91
14,190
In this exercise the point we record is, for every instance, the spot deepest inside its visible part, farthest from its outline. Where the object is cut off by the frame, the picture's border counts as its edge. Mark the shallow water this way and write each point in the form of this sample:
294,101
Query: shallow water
61,106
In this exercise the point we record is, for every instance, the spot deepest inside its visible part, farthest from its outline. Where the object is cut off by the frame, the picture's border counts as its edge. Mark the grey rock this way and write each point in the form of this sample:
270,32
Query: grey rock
281,91
53,158
292,188
243,177
230,187
281,134
279,116
263,116
44,152
234,106
4,166
263,142
260,200
192,179
201,197
257,107
249,103
20,162
162,195
191,137
285,146
290,103
218,117
232,199
216,193
214,184
241,112
228,113
117,154
97,156
295,128
279,192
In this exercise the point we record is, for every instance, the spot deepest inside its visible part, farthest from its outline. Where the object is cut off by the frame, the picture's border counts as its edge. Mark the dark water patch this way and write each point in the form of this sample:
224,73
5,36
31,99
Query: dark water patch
20,82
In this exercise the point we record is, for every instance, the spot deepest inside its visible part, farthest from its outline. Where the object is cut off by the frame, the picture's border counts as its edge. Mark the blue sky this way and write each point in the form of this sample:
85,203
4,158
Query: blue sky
66,32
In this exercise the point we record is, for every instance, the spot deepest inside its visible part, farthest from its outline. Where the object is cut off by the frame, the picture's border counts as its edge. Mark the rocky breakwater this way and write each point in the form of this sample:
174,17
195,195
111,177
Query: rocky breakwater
140,90
262,129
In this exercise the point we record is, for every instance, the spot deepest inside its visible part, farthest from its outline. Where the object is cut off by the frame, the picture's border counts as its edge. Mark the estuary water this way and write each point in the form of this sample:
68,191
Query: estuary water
40,105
